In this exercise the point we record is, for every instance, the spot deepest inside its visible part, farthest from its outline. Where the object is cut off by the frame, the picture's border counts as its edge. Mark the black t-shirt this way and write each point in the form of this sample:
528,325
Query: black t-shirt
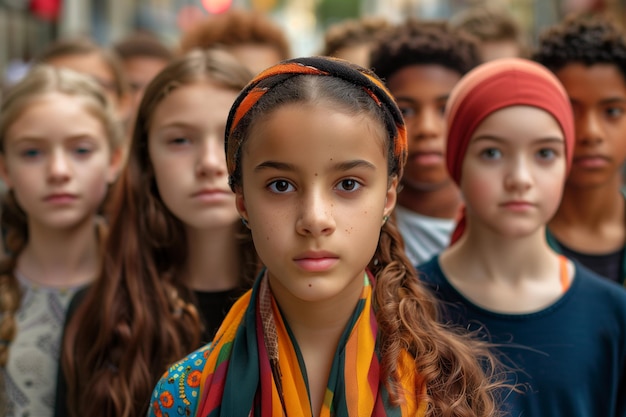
608,265
569,358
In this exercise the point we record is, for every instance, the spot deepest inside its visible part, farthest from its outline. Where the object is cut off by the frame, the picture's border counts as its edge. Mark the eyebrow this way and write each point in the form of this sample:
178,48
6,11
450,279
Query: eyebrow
443,97
43,139
548,139
341,166
610,100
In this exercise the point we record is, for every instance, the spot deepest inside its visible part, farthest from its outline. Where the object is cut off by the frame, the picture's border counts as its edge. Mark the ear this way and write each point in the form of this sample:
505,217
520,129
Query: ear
391,196
116,164
240,202
4,171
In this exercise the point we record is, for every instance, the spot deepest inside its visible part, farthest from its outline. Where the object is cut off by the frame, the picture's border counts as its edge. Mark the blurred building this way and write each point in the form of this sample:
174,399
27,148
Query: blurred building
27,26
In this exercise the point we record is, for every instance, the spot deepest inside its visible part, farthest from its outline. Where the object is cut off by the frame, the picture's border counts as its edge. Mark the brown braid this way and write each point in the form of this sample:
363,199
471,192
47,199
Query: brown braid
13,221
449,362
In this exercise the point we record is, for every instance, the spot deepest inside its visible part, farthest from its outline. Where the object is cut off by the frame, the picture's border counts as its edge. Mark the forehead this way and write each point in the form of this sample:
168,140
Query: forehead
424,80
592,82
304,132
515,122
91,63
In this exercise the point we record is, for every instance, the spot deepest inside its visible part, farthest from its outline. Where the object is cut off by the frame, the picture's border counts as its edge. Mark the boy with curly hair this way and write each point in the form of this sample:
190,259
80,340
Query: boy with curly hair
588,55
420,63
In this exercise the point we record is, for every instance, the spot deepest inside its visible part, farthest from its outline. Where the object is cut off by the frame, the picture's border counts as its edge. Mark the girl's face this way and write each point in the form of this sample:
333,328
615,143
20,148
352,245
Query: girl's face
186,147
58,161
598,97
514,171
315,190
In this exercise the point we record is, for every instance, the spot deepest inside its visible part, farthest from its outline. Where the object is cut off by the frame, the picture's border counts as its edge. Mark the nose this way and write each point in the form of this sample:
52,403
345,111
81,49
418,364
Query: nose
59,169
211,160
315,216
588,129
519,177
428,123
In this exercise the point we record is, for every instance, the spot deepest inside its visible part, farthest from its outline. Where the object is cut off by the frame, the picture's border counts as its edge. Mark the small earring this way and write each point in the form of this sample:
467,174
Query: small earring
385,218
245,222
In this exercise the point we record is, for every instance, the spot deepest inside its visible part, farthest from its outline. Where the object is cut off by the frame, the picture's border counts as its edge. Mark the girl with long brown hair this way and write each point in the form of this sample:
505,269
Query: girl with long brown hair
60,148
177,254
338,323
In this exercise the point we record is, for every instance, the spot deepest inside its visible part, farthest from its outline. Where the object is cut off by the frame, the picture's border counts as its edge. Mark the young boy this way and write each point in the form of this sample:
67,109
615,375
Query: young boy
588,55
421,62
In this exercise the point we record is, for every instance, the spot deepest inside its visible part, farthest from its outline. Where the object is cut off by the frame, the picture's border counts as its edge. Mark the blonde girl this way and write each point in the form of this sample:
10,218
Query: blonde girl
59,151
337,324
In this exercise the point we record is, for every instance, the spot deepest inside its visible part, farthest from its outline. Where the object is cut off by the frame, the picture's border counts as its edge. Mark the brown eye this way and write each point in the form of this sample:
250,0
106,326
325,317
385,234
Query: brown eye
280,186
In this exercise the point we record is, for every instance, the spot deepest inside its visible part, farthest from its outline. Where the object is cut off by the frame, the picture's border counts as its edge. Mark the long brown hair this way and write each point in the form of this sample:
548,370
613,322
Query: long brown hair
139,316
13,220
460,373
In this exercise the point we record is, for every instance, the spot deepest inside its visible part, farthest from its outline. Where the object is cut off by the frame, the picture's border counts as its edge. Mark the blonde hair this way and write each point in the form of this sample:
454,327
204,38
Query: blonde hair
41,80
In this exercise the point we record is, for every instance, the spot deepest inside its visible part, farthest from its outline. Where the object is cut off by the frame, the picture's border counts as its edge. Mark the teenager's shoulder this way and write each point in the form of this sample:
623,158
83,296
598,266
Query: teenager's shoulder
178,390
430,271
594,284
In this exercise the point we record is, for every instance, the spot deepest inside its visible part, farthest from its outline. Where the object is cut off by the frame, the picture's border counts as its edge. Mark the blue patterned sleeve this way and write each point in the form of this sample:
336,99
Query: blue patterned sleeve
177,392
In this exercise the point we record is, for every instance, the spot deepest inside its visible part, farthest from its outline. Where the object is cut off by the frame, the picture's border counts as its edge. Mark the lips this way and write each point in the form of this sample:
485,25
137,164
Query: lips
316,261
517,205
427,158
591,161
212,195
60,198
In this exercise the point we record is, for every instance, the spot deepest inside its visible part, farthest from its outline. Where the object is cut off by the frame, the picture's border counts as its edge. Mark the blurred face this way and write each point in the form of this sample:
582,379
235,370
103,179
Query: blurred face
598,97
421,92
256,57
186,147
357,54
58,161
140,71
514,172
499,49
93,65
315,190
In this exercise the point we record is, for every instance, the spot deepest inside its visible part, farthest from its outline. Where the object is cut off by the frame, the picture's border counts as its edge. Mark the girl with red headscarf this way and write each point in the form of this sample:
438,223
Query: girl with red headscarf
559,327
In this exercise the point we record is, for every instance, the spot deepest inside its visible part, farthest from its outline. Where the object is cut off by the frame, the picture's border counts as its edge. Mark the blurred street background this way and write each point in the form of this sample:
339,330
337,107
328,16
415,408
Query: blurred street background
27,26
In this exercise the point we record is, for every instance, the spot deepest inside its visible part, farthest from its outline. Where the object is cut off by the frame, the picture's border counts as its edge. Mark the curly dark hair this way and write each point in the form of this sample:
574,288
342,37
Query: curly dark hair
585,39
416,42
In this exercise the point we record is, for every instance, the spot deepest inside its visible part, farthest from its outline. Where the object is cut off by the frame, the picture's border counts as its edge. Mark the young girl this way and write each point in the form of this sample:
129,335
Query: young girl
175,261
59,151
560,327
338,323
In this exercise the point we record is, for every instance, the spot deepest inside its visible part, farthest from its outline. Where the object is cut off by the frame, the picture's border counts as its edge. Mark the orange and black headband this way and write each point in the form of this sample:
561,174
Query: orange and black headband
319,66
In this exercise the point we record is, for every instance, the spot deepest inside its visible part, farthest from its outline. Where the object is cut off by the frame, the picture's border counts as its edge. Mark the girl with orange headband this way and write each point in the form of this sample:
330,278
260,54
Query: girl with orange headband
337,324
560,328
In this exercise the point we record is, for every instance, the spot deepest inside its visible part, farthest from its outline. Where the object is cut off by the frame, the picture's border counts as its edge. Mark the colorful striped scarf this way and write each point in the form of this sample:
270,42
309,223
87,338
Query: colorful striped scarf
254,366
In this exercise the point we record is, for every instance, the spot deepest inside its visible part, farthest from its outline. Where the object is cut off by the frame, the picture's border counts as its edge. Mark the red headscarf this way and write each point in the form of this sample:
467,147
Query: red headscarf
493,86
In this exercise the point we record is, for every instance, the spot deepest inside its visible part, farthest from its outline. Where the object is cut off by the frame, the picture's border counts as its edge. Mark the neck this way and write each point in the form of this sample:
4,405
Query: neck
488,256
319,322
590,206
440,202
61,257
213,259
